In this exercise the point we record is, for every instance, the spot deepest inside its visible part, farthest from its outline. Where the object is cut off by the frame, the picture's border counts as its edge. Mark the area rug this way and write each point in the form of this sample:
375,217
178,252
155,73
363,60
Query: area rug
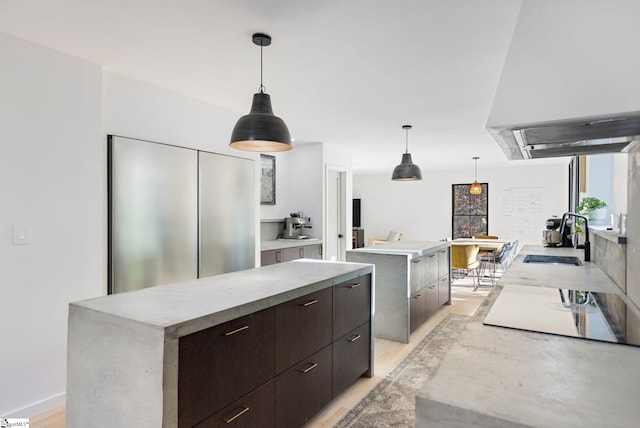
391,403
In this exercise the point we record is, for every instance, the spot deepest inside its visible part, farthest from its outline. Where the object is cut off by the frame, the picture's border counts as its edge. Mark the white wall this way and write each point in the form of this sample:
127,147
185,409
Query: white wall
55,114
53,180
521,198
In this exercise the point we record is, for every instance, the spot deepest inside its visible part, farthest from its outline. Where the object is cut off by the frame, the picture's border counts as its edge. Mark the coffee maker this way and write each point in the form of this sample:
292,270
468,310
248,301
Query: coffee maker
553,237
294,225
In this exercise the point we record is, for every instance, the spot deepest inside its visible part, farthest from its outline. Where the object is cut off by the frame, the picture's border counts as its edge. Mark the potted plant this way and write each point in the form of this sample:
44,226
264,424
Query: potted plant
587,206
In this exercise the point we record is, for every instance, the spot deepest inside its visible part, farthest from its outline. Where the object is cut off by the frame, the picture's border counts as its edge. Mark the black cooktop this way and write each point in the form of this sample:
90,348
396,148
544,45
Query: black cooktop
607,317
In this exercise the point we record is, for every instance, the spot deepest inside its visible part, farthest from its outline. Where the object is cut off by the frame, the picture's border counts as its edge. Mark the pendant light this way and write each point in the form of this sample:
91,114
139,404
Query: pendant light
407,170
475,188
261,130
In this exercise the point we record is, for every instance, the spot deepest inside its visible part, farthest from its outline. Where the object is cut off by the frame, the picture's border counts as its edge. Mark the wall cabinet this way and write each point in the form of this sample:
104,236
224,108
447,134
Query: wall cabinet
270,257
280,366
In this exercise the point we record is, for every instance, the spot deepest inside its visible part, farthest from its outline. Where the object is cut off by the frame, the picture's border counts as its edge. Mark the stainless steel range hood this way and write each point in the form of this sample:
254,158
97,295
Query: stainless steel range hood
584,136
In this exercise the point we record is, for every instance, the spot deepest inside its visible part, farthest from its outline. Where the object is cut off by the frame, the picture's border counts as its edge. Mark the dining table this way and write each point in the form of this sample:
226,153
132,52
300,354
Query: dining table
489,246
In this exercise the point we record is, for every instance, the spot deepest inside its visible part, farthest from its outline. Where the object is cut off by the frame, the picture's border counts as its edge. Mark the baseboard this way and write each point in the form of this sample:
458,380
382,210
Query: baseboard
38,408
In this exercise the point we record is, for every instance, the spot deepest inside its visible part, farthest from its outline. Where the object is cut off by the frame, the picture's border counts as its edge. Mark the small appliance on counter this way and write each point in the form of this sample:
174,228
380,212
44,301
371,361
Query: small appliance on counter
294,225
553,237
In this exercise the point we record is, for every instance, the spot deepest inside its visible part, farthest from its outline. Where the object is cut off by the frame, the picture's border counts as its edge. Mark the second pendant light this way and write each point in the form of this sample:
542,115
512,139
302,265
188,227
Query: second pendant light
476,188
407,170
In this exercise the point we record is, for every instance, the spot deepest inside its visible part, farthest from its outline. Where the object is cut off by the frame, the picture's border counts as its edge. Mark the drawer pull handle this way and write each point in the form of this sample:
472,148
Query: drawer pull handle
309,303
237,330
356,337
431,287
242,411
416,260
417,296
308,369
356,285
431,255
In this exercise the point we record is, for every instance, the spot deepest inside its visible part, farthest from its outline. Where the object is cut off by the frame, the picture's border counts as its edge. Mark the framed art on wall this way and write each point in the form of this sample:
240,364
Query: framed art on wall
268,180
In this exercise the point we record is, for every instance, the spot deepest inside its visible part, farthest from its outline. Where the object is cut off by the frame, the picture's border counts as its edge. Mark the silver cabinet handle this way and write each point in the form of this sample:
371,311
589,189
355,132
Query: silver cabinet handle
242,411
417,296
356,337
355,285
309,303
237,330
308,369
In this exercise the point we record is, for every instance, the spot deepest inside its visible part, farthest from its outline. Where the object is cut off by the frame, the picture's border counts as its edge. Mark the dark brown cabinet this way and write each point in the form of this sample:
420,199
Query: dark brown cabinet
417,309
429,281
280,366
303,326
253,410
270,257
304,389
444,277
218,365
351,305
351,357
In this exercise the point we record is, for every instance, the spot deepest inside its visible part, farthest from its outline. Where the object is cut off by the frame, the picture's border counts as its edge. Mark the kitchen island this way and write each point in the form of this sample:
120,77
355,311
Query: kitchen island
507,377
412,282
198,352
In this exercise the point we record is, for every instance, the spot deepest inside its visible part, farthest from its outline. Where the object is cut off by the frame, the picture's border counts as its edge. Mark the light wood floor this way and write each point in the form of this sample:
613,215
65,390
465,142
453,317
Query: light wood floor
387,355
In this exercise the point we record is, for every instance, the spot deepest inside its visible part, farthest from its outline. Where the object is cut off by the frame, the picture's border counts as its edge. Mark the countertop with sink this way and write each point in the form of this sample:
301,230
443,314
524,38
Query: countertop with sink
504,377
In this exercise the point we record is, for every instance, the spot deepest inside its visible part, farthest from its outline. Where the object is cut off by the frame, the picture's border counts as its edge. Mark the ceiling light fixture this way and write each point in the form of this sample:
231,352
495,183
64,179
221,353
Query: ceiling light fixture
475,188
261,130
407,170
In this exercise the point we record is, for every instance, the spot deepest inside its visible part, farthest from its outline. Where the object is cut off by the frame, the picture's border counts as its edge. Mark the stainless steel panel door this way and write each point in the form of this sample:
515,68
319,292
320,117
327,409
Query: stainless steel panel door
153,214
227,214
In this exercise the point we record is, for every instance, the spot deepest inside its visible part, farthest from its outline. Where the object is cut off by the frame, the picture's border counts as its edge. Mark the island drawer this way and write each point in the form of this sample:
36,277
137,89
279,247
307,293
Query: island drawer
351,305
351,357
253,410
304,389
218,365
303,326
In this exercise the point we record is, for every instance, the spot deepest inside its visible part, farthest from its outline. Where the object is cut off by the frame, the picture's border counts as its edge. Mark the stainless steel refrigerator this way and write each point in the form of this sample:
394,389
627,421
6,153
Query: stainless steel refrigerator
176,214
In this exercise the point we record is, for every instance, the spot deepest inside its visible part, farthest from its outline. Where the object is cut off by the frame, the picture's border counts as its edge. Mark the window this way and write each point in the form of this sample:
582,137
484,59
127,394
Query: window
470,212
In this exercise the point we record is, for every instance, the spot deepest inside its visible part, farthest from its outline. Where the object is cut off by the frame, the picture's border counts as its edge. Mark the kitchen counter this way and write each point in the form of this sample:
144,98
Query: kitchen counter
412,281
279,244
503,377
123,348
411,248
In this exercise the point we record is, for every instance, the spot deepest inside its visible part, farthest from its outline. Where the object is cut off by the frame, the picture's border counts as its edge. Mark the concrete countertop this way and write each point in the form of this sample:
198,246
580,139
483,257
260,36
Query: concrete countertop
184,308
502,377
411,248
279,244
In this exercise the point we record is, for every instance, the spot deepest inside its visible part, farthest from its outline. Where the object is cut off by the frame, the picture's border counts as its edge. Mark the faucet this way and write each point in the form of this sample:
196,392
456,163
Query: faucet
587,244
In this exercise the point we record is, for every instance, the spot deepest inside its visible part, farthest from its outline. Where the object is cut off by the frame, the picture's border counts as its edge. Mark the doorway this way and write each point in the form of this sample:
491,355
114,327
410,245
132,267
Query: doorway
335,214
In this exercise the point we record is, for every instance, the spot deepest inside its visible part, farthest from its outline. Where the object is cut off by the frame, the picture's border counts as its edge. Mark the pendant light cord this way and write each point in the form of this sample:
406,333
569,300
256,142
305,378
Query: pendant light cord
406,146
262,88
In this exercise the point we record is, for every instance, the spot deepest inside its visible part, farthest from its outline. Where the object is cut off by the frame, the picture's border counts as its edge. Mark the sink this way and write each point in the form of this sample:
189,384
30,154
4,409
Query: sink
558,260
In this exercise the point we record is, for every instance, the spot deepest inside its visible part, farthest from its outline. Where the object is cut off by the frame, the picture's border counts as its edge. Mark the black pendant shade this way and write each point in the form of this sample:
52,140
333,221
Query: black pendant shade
260,130
407,170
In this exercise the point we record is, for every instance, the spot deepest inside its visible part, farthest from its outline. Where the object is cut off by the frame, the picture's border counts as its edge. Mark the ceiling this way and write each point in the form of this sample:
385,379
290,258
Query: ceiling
349,73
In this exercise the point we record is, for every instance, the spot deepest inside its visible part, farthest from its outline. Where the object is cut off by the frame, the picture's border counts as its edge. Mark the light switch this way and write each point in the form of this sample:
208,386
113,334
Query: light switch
20,235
